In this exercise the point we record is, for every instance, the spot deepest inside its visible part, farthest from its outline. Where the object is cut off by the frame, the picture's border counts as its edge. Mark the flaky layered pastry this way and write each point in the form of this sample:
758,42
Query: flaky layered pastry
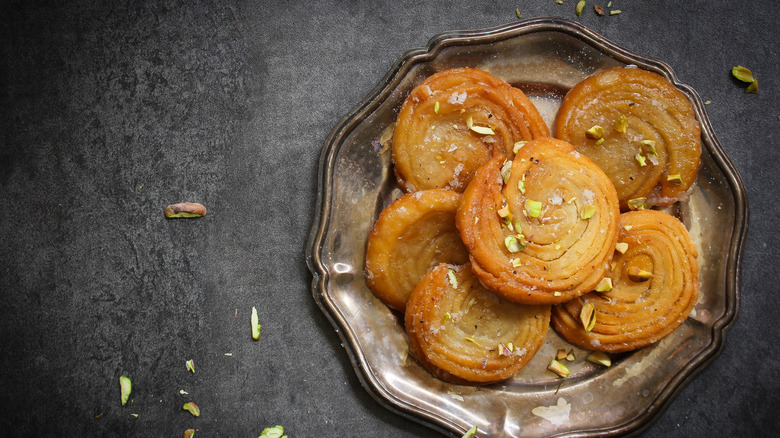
654,286
463,333
413,234
453,122
639,129
542,228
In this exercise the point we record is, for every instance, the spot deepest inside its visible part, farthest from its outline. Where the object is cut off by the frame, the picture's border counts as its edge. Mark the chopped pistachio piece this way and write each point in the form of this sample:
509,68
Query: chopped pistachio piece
533,208
125,388
558,368
595,132
504,212
452,278
513,244
752,88
471,432
742,73
273,432
190,364
641,160
446,318
516,262
588,316
628,227
708,102
521,186
192,408
436,107
609,5
506,170
587,212
615,12
256,327
622,123
570,357
599,141
621,247
599,10
639,275
580,6
599,358
517,12
561,354
637,203
518,145
560,2
484,130
649,146
503,350
675,179
189,433
134,415
605,285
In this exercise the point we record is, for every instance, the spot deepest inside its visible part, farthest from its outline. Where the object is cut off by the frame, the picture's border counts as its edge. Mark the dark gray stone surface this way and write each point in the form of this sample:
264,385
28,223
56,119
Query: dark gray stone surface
111,110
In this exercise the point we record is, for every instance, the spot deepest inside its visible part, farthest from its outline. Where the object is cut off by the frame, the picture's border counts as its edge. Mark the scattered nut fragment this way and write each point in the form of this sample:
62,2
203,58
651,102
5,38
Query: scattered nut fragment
637,203
517,12
256,327
533,208
558,368
588,316
595,132
621,247
599,10
190,366
192,408
641,160
185,210
639,275
675,179
580,6
745,75
622,123
615,12
587,212
189,433
561,354
471,432
273,432
605,285
570,357
599,358
125,387
484,130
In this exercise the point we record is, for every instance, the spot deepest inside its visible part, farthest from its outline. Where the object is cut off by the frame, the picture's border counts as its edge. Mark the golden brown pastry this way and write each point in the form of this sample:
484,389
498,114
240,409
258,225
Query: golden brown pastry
413,234
542,228
639,129
654,285
464,333
453,122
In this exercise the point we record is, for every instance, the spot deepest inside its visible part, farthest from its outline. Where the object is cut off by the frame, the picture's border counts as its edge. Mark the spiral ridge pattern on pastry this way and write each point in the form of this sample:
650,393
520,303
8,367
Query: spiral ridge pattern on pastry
638,311
568,246
413,234
433,144
653,111
464,333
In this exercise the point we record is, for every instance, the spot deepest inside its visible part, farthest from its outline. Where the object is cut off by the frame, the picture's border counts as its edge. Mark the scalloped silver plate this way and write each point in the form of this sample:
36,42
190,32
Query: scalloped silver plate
544,57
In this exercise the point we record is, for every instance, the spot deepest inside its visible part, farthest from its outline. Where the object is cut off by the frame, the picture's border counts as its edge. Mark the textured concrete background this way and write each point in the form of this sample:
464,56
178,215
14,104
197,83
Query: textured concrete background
111,110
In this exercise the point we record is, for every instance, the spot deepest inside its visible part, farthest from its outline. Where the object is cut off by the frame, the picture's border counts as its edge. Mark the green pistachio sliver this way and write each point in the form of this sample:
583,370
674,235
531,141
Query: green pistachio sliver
484,130
471,432
599,141
452,278
675,179
190,366
605,285
599,358
512,244
621,124
446,318
615,12
256,327
588,316
192,408
470,339
558,368
621,247
587,212
637,203
189,433
580,6
506,170
641,160
533,208
273,432
125,388
517,12
521,186
742,73
649,145
595,132
436,107
518,145
560,2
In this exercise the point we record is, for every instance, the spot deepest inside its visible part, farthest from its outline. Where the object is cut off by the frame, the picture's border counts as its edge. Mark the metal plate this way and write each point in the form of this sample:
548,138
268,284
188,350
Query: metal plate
544,57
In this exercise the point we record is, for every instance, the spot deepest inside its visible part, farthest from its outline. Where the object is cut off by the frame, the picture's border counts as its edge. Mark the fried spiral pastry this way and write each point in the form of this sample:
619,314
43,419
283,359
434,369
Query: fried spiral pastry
655,285
464,333
542,231
453,122
413,234
639,129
